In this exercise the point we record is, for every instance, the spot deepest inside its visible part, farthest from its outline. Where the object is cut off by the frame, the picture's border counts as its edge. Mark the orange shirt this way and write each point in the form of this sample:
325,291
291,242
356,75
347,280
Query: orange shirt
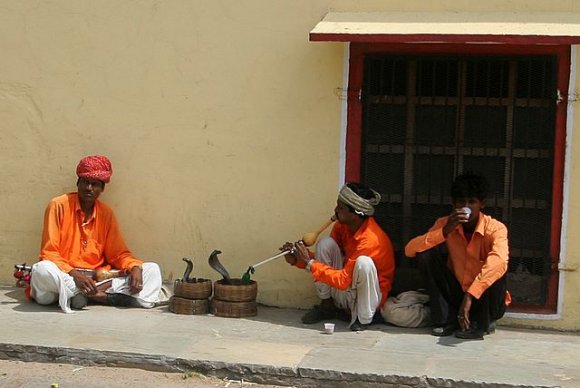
476,264
70,243
369,240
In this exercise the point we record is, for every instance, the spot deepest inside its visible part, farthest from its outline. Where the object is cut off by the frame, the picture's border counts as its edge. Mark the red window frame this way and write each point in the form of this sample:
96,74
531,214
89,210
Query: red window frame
358,52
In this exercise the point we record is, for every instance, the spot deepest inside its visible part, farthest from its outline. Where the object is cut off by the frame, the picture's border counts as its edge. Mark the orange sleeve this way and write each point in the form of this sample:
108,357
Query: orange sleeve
116,252
428,240
496,262
342,278
372,242
49,246
337,278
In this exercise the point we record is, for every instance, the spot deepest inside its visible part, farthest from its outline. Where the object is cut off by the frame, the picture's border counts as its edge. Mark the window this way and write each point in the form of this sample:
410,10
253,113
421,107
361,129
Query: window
429,112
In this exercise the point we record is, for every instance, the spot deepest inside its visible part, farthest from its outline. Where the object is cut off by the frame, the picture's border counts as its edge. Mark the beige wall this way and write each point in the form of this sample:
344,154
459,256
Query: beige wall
220,117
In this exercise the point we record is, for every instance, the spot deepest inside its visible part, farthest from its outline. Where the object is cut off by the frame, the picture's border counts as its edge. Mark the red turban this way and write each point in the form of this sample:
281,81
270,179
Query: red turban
95,167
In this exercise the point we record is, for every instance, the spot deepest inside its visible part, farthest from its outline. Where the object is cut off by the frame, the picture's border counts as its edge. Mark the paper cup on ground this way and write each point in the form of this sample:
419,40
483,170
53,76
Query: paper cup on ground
329,328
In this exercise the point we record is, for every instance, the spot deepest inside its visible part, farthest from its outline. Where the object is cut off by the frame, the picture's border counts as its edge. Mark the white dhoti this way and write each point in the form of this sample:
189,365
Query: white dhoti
364,295
48,284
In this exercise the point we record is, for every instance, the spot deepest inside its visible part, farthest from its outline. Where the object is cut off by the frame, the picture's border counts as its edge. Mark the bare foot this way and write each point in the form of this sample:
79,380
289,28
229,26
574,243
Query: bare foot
101,295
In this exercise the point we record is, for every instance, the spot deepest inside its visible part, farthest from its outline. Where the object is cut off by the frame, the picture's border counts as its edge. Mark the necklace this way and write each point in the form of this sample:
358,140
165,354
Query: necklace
85,237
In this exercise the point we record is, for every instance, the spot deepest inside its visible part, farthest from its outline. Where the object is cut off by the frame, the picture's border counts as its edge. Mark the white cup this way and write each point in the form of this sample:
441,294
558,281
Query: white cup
329,328
466,212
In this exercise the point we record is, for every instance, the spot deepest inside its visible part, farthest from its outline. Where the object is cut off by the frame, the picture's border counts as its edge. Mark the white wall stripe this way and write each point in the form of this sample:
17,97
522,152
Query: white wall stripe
343,118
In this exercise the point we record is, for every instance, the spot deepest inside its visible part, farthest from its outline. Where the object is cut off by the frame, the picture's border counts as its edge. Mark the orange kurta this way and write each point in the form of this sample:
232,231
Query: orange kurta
70,243
369,240
476,264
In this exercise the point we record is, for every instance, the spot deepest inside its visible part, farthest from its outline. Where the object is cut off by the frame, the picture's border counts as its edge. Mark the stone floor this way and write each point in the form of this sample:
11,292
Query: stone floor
274,347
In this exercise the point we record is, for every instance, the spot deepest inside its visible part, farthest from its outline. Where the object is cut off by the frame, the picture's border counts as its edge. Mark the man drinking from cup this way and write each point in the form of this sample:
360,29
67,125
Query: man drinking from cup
464,259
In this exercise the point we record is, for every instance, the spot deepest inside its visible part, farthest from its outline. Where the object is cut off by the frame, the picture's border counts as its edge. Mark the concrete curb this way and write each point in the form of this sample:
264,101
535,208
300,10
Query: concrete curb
262,374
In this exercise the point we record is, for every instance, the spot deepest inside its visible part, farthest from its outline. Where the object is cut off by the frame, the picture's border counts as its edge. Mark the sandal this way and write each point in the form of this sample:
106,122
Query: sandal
357,326
474,332
444,331
471,333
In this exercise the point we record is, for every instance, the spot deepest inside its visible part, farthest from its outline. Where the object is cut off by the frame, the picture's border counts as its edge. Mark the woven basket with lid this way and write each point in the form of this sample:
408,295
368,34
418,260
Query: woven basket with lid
197,289
236,291
188,306
225,309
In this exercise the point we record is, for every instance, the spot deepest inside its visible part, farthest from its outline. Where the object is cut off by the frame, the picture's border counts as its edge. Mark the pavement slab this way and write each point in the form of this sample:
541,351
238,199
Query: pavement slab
274,347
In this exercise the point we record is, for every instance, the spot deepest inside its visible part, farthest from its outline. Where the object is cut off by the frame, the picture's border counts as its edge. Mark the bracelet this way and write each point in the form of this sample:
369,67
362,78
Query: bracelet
309,264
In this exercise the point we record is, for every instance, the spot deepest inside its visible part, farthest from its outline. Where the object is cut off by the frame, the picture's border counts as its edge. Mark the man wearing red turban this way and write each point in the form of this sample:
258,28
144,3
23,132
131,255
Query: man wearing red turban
81,237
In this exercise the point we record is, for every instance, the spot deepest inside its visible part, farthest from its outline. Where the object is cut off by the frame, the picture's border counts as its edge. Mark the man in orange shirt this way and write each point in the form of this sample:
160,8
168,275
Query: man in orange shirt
81,233
464,258
354,267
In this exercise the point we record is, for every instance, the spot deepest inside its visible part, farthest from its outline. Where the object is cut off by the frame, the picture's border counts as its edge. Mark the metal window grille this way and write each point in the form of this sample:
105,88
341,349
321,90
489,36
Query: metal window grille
426,119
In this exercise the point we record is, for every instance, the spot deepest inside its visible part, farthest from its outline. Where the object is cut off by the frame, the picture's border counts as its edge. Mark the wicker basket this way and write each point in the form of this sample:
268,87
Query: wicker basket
198,289
236,291
188,306
225,309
